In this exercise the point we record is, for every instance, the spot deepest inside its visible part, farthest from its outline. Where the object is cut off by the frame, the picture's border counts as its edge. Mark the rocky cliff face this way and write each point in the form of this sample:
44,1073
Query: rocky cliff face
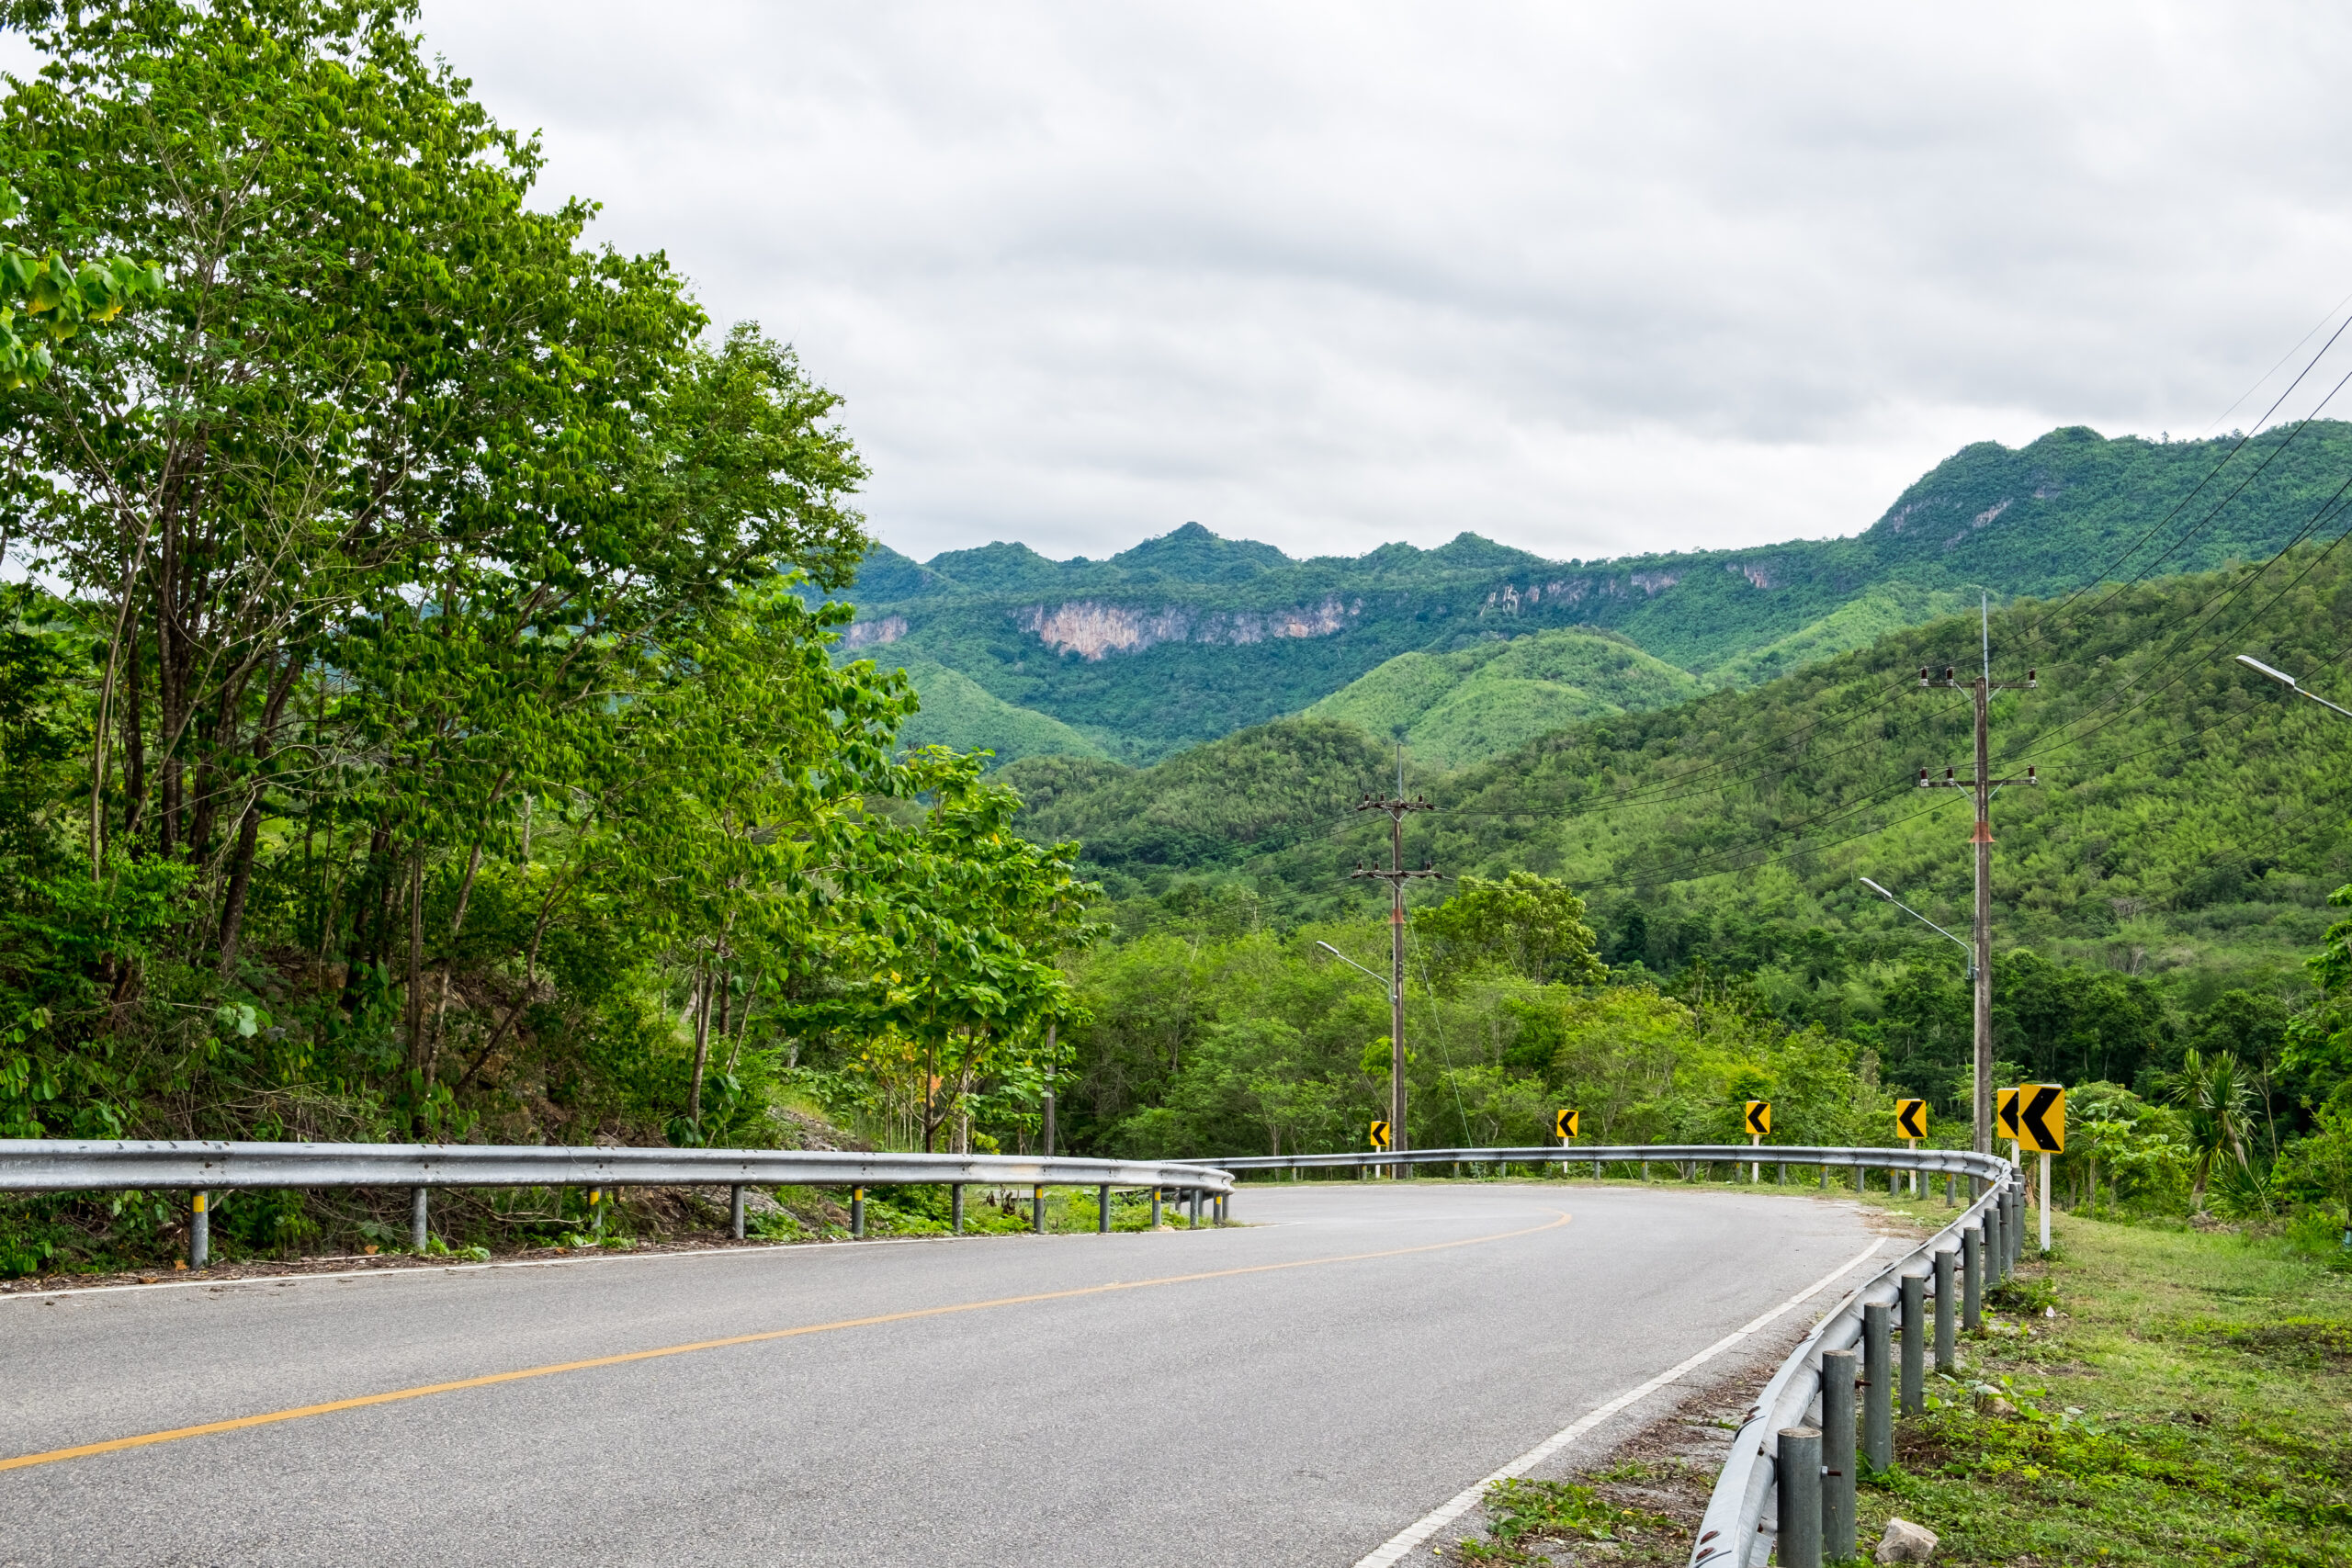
870,634
1094,630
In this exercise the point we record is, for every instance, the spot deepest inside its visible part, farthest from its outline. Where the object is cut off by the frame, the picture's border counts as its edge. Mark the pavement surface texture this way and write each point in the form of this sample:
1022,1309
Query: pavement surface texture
1293,1389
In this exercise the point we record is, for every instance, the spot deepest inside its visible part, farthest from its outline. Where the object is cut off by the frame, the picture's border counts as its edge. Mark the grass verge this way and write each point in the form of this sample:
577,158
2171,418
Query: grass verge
2186,1403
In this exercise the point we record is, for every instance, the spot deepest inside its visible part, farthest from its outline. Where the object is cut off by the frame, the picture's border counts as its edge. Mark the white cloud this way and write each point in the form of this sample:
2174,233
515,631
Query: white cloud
1586,279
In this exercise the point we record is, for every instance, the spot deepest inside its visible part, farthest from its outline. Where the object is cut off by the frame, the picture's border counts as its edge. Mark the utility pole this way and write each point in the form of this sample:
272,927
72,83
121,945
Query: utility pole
1396,876
1984,783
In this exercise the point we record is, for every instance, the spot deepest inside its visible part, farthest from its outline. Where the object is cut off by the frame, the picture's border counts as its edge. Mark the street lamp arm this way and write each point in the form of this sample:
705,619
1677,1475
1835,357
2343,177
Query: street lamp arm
1923,921
2292,683
1384,981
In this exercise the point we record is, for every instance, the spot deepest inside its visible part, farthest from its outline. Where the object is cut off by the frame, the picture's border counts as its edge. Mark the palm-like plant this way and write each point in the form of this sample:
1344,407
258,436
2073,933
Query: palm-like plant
2216,1094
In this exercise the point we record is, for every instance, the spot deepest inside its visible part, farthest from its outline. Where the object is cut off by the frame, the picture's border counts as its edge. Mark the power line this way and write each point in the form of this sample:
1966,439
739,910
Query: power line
2205,521
2166,658
2274,369
2164,522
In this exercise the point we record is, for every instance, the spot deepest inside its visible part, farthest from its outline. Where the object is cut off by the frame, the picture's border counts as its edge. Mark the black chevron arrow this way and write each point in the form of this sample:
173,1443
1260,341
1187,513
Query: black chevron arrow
1912,1119
2038,1135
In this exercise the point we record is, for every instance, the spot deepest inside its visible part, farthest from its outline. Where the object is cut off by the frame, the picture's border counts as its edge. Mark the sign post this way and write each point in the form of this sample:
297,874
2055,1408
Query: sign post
2041,1127
1911,1126
2005,1117
1760,1122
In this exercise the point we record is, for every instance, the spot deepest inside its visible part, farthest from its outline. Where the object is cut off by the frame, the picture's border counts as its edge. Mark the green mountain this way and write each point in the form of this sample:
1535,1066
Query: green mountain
1478,702
2188,820
958,712
1190,637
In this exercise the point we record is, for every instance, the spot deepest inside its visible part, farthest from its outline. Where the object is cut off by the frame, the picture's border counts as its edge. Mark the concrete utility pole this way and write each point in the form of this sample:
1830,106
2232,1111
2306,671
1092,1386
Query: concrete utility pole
1984,783
1396,876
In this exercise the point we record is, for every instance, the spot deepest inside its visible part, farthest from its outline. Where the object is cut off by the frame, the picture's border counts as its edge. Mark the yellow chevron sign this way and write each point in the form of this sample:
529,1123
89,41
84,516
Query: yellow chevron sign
1910,1118
2004,1112
2041,1118
1380,1134
1760,1117
1563,1125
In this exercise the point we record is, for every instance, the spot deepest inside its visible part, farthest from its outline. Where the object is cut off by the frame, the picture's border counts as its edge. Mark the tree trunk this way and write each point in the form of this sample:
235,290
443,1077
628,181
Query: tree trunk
241,874
743,1021
702,1041
420,1058
374,883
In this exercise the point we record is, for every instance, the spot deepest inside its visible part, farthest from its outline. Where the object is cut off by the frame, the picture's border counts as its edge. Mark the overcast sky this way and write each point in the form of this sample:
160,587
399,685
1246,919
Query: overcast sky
1586,279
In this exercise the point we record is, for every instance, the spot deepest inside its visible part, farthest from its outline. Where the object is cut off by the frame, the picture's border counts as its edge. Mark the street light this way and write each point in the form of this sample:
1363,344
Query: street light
1923,919
2289,682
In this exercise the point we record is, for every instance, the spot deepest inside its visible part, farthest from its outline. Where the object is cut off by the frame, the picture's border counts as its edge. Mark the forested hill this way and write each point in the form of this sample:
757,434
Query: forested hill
2189,816
1190,637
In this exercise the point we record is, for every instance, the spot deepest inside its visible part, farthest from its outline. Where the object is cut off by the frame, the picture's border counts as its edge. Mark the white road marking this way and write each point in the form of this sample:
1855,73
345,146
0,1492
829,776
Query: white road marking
1413,1535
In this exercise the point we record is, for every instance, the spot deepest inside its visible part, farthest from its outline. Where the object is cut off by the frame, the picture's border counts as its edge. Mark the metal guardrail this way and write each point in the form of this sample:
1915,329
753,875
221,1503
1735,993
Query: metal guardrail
1943,1279
1810,1398
201,1168
1958,1162
45,1166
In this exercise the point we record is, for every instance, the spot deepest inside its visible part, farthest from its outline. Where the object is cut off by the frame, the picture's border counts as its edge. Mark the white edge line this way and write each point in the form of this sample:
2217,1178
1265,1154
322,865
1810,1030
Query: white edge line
586,1256
1393,1550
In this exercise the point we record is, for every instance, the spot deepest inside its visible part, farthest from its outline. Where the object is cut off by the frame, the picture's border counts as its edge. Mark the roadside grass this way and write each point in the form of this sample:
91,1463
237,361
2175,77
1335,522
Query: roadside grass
2188,1403
2147,1395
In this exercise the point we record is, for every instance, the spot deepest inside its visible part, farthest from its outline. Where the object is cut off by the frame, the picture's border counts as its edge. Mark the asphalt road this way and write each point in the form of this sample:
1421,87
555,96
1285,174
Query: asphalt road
1300,1413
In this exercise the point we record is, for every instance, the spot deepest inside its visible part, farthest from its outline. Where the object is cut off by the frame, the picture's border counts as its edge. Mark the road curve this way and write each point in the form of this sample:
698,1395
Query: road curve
1293,1390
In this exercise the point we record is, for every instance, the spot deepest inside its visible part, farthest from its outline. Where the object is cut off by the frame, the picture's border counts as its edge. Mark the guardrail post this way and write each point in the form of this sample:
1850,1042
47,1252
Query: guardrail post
419,1227
1196,1208
1878,1388
1995,1250
1155,1207
857,1211
1102,1210
955,1208
1946,1362
2014,1231
735,1211
1036,1210
1838,1454
596,1210
1782,1179
1972,1261
1825,1177
1914,1344
200,1228
1950,1184
1796,1469
1596,1170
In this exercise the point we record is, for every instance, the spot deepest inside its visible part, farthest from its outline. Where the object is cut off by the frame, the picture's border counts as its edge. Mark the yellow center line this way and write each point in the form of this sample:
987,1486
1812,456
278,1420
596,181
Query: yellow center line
175,1434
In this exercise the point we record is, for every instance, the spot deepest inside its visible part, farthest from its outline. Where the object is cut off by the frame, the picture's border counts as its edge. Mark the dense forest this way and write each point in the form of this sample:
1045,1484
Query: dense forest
412,720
